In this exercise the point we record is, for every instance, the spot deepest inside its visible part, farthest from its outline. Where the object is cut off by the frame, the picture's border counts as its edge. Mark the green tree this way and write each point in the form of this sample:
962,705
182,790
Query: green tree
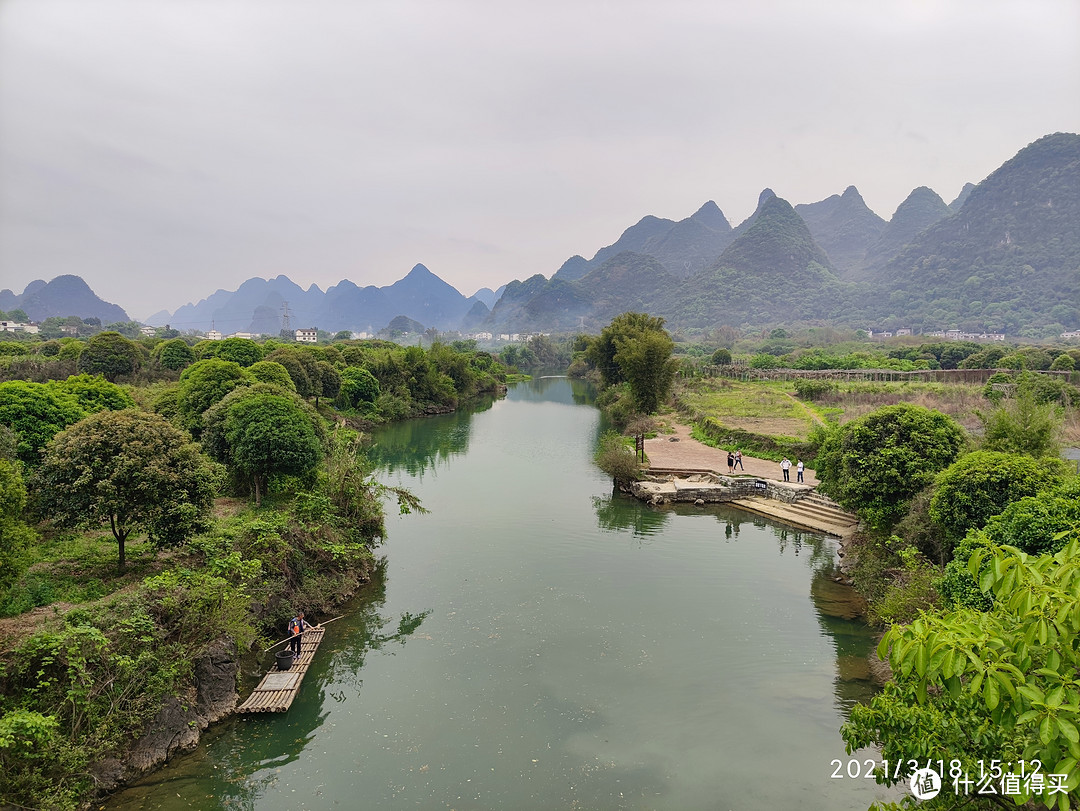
982,484
202,384
721,357
239,350
262,432
132,470
174,354
987,688
876,464
1023,425
601,352
110,355
329,381
15,535
93,393
645,361
36,413
1063,363
302,368
358,385
272,372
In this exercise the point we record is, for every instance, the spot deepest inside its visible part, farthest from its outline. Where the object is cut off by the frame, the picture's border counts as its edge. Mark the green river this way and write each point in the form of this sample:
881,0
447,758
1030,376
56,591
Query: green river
538,642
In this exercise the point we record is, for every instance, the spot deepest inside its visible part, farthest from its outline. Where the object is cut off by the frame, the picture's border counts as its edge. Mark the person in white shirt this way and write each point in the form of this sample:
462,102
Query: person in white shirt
786,467
798,471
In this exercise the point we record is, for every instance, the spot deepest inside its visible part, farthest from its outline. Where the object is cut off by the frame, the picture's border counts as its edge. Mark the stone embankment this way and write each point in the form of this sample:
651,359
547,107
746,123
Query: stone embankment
681,469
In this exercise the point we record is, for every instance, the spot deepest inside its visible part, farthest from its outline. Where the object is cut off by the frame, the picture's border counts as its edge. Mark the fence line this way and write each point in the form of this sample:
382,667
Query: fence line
750,374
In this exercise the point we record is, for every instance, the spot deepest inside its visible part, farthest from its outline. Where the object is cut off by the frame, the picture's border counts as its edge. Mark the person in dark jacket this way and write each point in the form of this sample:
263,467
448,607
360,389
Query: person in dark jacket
297,626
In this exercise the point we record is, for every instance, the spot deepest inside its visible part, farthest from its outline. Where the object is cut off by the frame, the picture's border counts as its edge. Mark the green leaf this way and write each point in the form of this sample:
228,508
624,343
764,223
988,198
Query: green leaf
1068,729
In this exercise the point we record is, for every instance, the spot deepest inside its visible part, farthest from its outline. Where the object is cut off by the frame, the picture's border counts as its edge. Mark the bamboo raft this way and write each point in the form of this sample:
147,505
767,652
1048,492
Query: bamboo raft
278,688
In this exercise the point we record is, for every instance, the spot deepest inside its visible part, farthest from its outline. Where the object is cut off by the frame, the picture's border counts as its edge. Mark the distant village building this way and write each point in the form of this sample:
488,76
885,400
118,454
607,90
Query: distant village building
481,336
1073,334
361,336
307,336
903,332
249,335
16,326
957,335
213,335
148,331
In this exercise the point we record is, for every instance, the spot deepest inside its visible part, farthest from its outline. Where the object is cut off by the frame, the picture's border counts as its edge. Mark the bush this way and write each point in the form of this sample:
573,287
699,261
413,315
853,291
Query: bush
813,389
617,459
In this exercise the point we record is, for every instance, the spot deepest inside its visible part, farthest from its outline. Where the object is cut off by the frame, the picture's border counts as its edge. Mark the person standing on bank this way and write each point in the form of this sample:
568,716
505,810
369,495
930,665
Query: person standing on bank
799,466
786,467
738,460
297,626
730,462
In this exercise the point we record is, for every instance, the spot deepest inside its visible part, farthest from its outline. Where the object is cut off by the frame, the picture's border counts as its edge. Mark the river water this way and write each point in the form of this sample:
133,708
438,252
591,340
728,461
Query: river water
538,642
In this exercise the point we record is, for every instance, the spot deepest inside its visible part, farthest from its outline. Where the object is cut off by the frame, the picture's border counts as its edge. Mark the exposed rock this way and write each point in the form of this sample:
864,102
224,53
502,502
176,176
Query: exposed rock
179,722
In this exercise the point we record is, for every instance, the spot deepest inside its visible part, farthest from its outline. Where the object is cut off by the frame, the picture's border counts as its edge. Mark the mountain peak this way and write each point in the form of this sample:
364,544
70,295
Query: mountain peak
766,193
711,216
418,271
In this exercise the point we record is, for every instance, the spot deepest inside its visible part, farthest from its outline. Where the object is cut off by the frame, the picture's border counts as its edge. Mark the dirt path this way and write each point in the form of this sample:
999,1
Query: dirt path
809,411
680,450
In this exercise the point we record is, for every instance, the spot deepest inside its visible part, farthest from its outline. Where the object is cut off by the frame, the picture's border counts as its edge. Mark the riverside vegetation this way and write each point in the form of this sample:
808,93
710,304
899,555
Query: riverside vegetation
969,548
168,504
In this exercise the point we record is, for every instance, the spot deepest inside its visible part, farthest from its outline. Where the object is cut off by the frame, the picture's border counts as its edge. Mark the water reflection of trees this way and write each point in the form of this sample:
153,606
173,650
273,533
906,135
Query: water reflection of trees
247,761
621,513
554,389
416,446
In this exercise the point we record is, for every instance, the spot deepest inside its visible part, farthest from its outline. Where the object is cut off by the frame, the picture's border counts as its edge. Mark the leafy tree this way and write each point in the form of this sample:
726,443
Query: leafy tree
876,464
269,371
1063,363
647,364
993,687
202,384
239,350
721,357
601,352
14,534
174,354
329,381
36,413
132,470
1037,525
358,385
982,484
93,393
262,432
302,368
1023,425
110,355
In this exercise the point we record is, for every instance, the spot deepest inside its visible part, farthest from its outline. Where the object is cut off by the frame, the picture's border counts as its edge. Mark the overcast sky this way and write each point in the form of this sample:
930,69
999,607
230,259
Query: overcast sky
163,150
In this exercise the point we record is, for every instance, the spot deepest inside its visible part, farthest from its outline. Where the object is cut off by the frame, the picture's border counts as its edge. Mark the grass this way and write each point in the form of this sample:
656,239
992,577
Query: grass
766,408
76,568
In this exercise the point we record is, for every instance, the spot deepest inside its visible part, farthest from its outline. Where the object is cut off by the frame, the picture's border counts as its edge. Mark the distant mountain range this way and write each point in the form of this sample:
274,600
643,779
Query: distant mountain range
63,296
1004,256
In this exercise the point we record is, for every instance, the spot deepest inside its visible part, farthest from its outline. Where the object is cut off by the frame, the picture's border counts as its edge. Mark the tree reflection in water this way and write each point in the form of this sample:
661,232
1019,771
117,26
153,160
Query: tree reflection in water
248,754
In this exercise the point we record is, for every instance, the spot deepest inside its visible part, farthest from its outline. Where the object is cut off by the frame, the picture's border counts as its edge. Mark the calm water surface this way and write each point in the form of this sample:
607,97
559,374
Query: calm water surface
536,642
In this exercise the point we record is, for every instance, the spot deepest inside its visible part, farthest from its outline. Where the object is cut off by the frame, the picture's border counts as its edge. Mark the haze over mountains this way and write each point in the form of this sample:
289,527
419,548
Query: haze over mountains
1003,257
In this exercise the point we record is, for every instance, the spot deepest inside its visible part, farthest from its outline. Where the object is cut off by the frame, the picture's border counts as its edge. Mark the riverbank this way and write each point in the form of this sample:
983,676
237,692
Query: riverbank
682,469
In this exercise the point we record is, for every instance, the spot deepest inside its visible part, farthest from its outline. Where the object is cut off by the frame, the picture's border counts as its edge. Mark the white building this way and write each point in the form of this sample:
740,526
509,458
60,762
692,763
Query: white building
15,326
213,335
149,332
307,336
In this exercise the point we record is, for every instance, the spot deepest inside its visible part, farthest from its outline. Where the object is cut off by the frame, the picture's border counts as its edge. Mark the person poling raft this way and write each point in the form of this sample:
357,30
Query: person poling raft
297,626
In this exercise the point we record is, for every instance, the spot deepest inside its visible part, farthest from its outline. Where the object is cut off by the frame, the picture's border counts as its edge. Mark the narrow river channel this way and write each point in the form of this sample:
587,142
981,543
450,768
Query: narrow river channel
537,642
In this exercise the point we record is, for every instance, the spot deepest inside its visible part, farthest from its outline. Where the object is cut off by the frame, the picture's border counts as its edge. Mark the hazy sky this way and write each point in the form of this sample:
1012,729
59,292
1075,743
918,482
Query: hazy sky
165,149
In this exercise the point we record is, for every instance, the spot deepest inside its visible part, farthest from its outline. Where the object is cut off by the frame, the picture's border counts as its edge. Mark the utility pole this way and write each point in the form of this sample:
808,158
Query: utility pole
284,316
